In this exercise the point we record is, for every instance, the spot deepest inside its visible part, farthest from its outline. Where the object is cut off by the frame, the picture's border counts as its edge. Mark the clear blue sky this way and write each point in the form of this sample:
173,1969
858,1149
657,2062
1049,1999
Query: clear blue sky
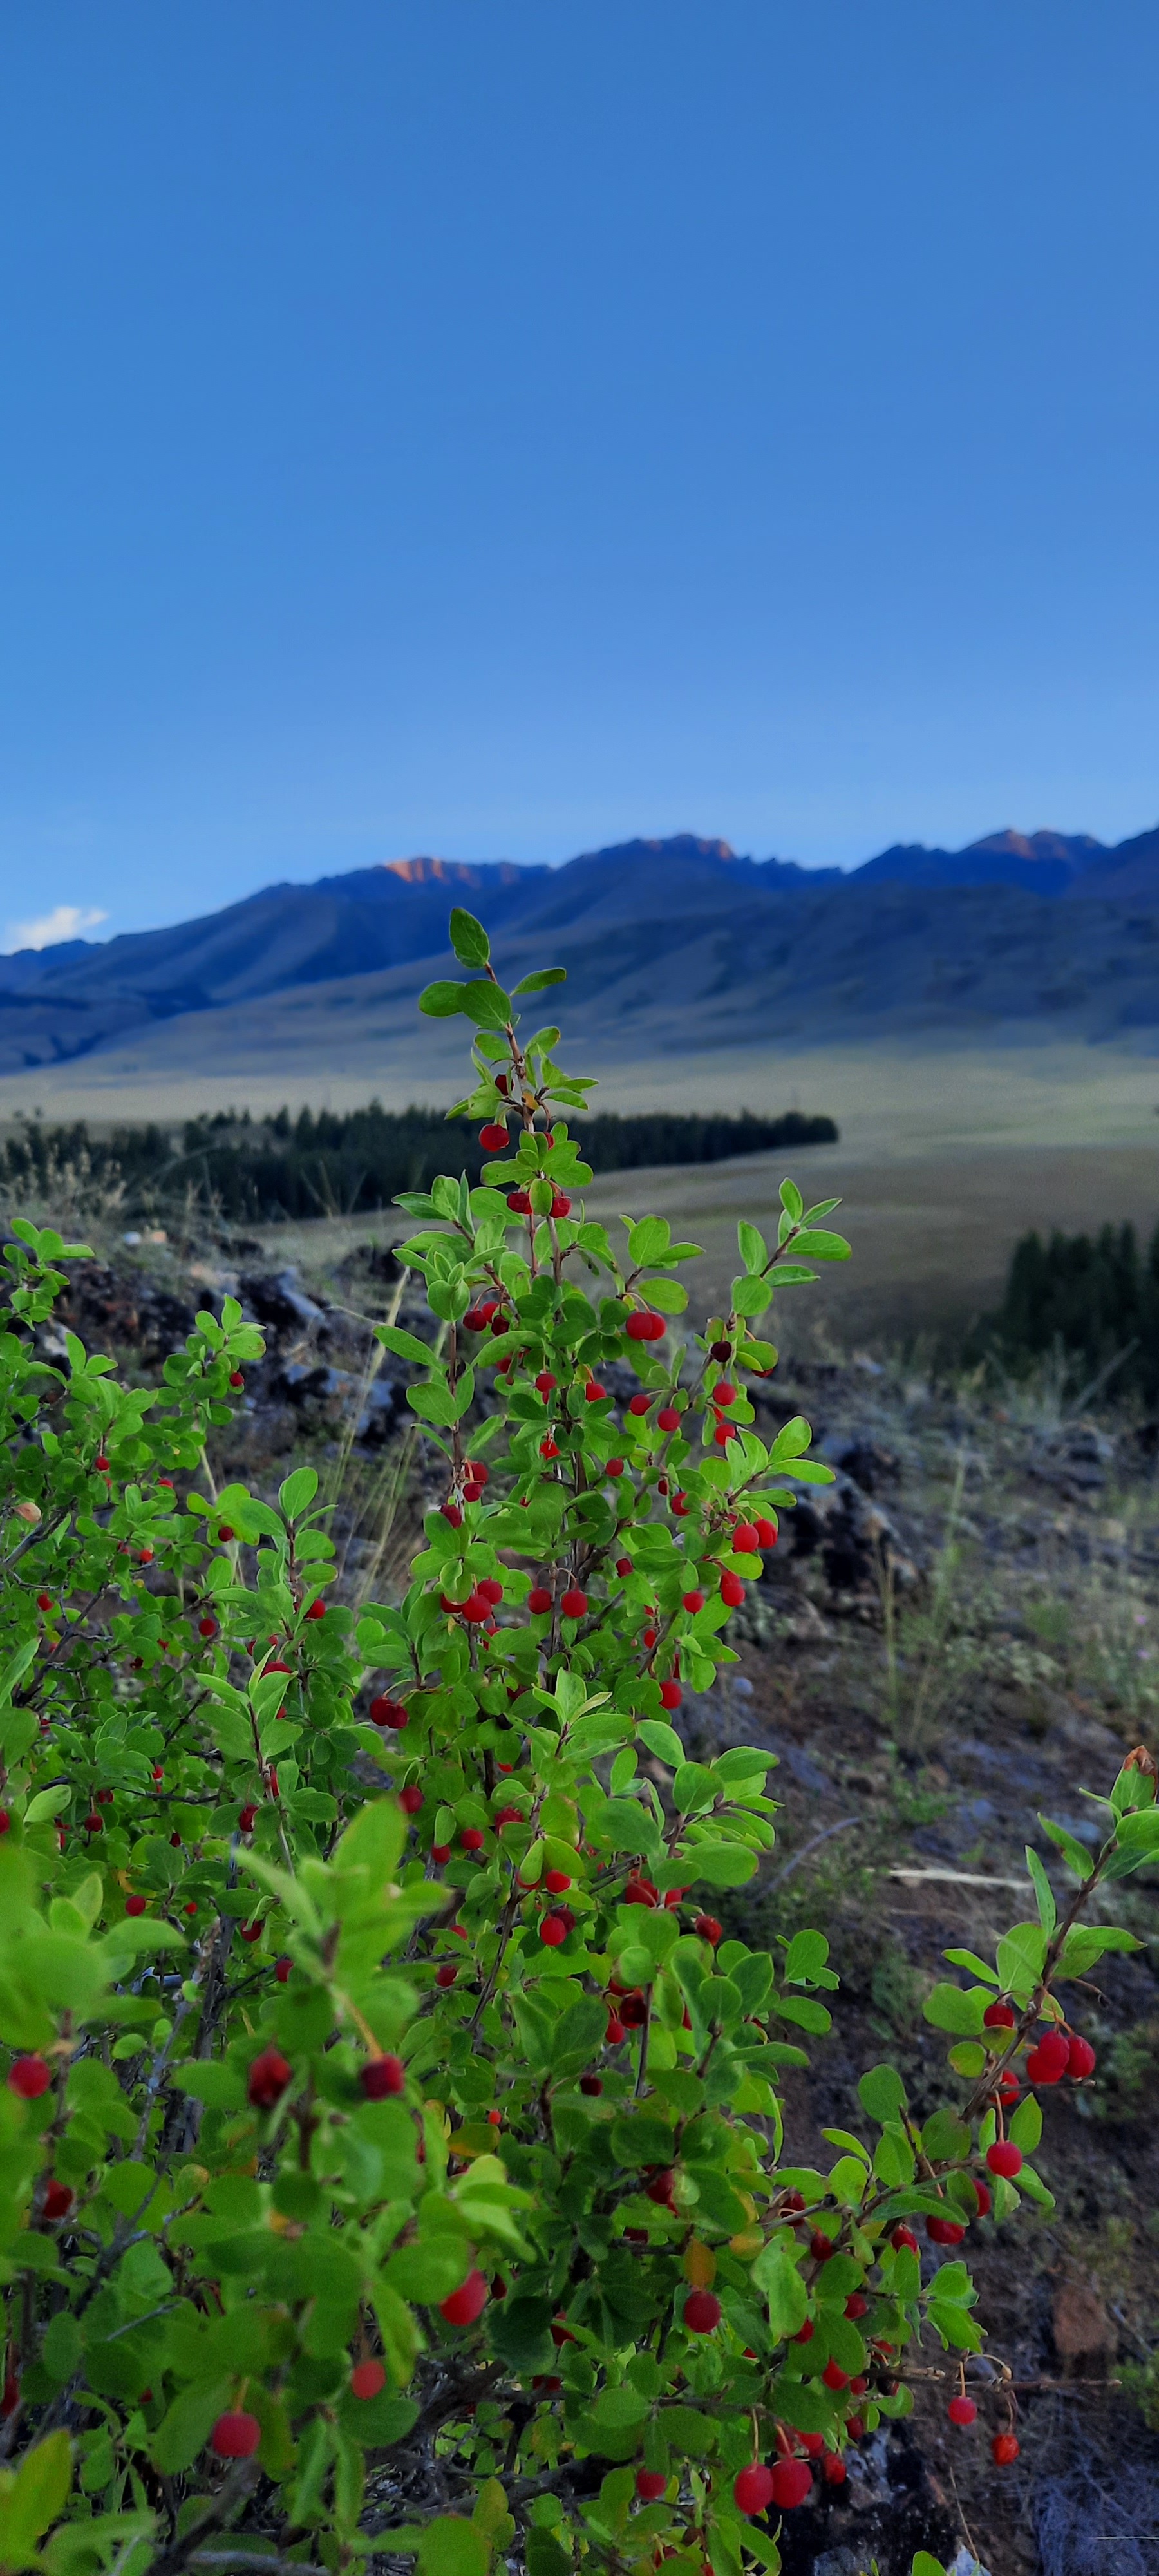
501,426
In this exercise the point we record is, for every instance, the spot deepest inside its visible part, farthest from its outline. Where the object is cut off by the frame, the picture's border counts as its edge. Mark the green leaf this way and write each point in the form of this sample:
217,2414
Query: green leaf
1088,1943
297,1493
815,1245
661,1740
442,1001
957,2009
751,1296
36,2498
721,1864
539,981
805,1957
1019,1958
777,2277
468,938
924,2565
1044,1893
487,1004
405,1346
649,1240
1025,2125
1077,1859
451,2546
754,1251
668,1296
185,2429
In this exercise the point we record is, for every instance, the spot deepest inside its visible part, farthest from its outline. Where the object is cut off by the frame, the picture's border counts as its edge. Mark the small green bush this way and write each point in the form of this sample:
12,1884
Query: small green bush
418,2158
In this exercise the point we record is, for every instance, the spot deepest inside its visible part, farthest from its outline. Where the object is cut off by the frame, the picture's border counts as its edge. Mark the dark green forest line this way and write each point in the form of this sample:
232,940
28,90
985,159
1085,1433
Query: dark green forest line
328,1165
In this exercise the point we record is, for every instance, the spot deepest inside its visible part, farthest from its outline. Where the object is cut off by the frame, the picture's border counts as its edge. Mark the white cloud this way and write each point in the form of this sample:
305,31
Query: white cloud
65,921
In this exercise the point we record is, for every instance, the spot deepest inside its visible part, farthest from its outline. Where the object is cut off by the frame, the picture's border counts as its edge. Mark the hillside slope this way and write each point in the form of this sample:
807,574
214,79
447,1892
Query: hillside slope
665,942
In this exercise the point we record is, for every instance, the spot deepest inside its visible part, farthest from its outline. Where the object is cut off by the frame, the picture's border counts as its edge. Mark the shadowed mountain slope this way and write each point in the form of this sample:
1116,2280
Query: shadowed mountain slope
659,937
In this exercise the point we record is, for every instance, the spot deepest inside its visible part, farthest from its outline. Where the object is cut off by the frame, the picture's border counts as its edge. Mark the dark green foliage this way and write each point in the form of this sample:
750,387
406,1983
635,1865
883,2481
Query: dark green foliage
333,1164
1095,1297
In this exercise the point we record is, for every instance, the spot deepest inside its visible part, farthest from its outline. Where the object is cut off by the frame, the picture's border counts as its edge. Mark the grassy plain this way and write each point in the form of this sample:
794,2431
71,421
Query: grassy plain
946,1154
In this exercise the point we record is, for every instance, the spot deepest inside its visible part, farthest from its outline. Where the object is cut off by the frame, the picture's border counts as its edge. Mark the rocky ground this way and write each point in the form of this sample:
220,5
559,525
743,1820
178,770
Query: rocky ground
957,1636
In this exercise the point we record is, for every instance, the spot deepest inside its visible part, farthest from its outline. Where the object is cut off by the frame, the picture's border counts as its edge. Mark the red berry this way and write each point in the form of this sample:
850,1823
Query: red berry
251,1931
804,2334
670,1694
472,1838
708,1928
556,1882
134,1905
1050,2060
639,1404
451,1512
833,2375
640,1891
1081,2059
490,1590
367,2378
961,2410
236,1378
998,2016
592,2084
553,1930
519,1203
191,1908
102,1465
766,1533
643,1326
594,1393
792,2482
58,2199
904,2236
693,1601
545,1382
833,2469
410,1799
723,1393
752,2489
1004,2158
1004,2449
268,2078
382,2076
282,1968
615,2032
146,1556
44,1600
493,1139
982,2197
385,1711
548,1448
731,1590
745,1537
225,1534
30,2077
539,1601
574,1602
5,1821
650,2483
446,1975
944,2231
659,2188
246,1820
467,2303
440,1852
821,2247
702,2312
235,2436
207,1627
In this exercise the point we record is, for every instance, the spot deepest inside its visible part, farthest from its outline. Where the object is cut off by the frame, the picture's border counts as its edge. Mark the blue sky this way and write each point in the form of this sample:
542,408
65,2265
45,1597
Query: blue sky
500,429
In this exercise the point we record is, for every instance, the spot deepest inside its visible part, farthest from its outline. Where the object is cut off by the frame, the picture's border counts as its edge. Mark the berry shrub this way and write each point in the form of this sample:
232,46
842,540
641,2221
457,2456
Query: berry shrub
432,2138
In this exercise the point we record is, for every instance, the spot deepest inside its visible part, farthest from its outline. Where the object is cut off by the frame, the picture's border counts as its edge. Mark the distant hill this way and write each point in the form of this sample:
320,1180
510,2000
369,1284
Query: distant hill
665,941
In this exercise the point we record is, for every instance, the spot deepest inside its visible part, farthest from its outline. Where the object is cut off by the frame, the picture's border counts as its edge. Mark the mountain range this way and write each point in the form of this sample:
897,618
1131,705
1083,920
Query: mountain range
665,942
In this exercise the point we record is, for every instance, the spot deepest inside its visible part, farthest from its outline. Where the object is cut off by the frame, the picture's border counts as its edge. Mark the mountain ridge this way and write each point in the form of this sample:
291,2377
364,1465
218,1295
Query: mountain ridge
1045,928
